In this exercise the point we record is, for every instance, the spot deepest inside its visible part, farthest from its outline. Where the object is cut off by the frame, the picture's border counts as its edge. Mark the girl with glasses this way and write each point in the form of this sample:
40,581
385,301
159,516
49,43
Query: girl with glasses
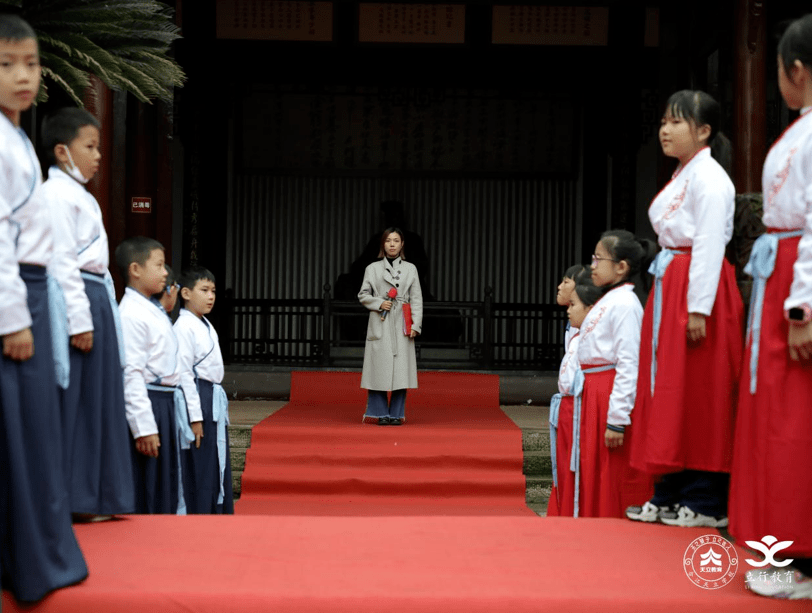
605,387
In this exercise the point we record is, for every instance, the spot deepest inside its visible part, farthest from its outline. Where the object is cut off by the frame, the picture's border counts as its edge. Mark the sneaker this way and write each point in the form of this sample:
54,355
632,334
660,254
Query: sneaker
648,512
684,517
788,584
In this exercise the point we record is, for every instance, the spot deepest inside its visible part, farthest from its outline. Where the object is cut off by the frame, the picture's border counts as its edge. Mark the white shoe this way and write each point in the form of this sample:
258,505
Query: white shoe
648,512
784,583
684,517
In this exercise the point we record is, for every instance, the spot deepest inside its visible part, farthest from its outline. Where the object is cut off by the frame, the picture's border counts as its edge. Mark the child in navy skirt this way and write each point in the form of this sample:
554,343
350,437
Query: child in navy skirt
38,550
155,406
98,468
207,467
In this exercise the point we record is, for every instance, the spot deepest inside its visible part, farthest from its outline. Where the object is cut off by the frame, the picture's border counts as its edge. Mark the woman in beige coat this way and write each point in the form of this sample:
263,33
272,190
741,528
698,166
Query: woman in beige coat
389,356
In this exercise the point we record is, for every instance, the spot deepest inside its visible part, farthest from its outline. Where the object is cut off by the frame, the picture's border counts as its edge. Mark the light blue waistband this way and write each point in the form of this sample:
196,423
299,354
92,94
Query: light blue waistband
220,417
658,268
60,336
555,406
760,267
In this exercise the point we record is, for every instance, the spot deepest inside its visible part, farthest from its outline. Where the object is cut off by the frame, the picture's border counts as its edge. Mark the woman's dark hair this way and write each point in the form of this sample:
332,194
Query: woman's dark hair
588,292
385,235
702,109
62,127
796,43
622,245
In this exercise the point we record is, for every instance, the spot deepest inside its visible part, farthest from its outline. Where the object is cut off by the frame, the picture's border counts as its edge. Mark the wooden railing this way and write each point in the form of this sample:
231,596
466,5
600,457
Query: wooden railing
474,335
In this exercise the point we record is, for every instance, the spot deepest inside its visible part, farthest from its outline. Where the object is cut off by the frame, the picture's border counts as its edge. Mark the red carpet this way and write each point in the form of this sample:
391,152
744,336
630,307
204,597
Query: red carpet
457,453
164,564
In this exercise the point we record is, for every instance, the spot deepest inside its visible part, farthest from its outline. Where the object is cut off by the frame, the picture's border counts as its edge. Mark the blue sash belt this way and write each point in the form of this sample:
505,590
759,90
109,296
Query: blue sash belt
220,417
183,432
658,268
60,337
760,267
107,281
575,456
555,406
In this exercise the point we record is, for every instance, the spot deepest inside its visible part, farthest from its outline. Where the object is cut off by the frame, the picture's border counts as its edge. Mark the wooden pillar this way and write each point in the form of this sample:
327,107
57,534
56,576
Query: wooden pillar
749,119
99,102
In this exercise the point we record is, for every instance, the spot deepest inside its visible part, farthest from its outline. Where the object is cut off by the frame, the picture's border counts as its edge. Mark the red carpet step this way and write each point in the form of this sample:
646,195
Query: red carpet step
253,564
457,453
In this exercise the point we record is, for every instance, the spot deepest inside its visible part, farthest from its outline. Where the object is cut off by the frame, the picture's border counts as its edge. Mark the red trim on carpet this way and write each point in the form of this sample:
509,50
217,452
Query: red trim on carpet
457,453
148,564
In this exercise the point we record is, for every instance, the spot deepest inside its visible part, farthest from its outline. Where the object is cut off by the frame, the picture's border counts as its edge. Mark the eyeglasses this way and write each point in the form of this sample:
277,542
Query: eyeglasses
172,286
596,259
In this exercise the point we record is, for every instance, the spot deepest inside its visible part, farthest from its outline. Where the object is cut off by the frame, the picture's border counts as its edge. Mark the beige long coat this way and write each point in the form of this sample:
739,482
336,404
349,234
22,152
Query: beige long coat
389,357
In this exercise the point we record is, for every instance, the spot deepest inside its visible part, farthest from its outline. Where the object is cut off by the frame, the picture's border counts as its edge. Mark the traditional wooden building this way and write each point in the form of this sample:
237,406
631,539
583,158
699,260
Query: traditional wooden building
504,137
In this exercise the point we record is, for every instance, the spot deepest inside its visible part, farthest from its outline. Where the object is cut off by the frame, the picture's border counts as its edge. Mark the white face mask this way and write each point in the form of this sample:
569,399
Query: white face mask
73,170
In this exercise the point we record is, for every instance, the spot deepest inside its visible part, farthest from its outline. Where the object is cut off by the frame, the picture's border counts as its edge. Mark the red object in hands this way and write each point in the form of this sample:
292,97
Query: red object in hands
391,294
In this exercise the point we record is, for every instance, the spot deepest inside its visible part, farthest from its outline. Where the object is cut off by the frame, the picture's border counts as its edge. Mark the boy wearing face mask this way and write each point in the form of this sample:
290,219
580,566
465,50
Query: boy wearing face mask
97,463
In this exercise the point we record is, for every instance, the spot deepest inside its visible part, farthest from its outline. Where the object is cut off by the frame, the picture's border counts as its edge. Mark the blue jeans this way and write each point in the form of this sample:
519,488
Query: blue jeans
377,405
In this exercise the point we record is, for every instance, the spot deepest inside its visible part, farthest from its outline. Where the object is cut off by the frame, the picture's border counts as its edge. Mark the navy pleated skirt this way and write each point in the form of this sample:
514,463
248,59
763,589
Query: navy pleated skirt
98,463
38,548
201,467
156,479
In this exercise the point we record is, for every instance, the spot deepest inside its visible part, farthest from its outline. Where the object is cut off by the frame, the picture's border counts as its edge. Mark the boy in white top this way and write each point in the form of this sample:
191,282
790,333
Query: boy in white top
98,467
38,550
206,470
156,412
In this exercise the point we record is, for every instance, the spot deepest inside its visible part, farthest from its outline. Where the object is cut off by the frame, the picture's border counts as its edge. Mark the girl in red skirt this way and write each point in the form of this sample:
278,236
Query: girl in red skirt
771,485
608,352
691,348
562,497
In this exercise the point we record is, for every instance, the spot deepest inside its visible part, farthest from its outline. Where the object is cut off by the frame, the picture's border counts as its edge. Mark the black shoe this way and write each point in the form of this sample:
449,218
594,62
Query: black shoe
395,421
384,421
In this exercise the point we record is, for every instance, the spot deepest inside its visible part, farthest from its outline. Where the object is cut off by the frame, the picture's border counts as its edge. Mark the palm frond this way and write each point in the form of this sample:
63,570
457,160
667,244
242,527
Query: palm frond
125,43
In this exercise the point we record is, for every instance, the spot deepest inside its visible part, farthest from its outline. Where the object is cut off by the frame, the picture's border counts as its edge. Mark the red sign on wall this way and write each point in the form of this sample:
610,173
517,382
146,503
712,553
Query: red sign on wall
141,205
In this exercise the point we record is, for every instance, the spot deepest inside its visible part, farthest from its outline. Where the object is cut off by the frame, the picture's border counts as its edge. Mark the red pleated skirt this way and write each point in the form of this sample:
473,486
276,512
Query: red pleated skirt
562,497
771,480
688,423
608,483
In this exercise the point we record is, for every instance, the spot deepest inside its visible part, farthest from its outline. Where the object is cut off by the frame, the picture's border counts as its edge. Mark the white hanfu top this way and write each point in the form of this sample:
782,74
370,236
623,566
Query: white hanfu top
569,365
695,210
151,351
25,232
198,353
80,243
787,185
610,334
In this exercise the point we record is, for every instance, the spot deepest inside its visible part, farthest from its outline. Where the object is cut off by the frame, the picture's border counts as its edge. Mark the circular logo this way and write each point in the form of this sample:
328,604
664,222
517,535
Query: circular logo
710,562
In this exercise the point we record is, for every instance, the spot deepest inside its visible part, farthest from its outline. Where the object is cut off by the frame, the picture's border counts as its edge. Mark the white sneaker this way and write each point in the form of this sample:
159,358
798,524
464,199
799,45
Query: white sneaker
684,517
648,512
786,583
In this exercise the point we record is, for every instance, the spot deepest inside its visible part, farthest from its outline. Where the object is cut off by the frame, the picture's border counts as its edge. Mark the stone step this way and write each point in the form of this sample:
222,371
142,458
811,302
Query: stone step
538,488
537,463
